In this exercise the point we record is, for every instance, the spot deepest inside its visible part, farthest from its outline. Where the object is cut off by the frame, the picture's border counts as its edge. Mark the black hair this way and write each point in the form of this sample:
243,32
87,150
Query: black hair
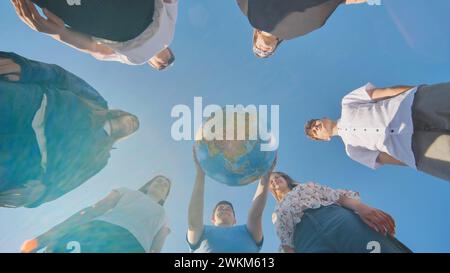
224,203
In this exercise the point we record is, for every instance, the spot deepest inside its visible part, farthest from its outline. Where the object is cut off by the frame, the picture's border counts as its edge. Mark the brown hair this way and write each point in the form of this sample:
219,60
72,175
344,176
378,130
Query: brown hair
291,184
308,126
144,188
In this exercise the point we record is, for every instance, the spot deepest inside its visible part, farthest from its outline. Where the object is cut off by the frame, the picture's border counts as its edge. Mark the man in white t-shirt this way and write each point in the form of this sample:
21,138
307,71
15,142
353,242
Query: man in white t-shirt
137,34
403,125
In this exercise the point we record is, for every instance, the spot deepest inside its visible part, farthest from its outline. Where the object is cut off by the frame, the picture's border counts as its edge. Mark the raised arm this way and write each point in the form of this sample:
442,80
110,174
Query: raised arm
386,93
196,206
254,221
56,28
385,159
78,219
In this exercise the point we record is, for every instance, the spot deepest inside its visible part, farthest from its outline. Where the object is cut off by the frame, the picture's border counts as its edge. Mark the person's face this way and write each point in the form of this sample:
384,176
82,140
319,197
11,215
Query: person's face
162,60
278,183
159,189
224,216
124,126
265,42
322,129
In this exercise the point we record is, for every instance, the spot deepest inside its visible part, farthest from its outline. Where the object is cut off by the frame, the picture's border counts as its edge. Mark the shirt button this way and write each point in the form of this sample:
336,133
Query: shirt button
392,131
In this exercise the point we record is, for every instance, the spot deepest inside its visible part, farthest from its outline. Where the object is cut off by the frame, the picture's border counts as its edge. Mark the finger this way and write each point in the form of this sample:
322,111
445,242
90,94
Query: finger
24,9
5,61
36,20
16,6
382,224
376,222
390,218
370,224
55,19
25,14
9,69
34,13
13,77
390,222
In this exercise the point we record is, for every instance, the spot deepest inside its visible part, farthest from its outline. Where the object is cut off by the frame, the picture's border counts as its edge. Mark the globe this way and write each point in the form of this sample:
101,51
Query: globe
234,162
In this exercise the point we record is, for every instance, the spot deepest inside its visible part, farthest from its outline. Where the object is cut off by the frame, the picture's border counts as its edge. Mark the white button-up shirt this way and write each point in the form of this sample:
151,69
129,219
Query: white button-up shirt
158,36
368,127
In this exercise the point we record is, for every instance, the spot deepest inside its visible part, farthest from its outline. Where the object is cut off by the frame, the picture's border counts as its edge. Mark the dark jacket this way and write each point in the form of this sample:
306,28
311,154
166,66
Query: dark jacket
116,20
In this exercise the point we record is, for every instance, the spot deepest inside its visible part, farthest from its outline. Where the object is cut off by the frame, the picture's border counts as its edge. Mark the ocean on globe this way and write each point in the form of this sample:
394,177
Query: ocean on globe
234,162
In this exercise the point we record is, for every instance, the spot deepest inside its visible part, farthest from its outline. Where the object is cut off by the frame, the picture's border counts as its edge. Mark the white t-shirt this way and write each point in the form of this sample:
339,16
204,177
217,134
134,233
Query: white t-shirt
153,40
369,127
139,214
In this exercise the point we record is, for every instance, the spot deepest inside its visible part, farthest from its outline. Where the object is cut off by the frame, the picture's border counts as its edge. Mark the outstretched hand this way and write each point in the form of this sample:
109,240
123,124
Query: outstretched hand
10,70
27,12
377,219
30,246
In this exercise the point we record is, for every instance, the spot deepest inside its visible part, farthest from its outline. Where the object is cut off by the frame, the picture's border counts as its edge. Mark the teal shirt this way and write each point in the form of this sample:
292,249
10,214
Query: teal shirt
77,147
236,239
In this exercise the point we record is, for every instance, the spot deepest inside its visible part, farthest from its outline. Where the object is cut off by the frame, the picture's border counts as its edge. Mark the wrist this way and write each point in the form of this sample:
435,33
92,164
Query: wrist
61,34
359,207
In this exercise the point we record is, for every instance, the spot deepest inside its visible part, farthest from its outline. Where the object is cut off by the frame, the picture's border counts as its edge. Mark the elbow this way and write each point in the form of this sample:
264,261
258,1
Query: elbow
195,224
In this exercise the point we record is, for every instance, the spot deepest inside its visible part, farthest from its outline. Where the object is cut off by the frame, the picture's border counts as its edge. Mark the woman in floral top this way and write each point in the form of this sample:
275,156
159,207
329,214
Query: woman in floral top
315,218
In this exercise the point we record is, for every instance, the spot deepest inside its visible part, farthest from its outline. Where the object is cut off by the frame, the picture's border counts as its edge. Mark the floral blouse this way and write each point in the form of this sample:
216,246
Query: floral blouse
289,211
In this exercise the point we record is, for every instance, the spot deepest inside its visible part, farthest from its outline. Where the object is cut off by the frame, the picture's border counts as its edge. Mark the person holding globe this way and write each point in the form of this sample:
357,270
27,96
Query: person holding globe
224,236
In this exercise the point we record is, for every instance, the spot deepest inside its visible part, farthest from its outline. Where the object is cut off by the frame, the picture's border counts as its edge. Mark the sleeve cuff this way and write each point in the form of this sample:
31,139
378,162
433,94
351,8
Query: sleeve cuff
195,246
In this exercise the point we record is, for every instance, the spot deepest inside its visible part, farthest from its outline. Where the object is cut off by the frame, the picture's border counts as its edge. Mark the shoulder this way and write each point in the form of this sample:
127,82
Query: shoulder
359,95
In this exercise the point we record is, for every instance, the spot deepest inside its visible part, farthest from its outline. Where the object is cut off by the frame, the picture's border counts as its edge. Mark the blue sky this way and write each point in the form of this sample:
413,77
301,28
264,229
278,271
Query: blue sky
399,42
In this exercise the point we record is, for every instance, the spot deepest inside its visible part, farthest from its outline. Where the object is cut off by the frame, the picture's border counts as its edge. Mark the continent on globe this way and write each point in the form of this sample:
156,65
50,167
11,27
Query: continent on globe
230,161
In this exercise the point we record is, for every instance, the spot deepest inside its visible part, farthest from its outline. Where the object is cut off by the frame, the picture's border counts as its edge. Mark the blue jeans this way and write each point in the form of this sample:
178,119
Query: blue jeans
20,157
98,237
335,229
